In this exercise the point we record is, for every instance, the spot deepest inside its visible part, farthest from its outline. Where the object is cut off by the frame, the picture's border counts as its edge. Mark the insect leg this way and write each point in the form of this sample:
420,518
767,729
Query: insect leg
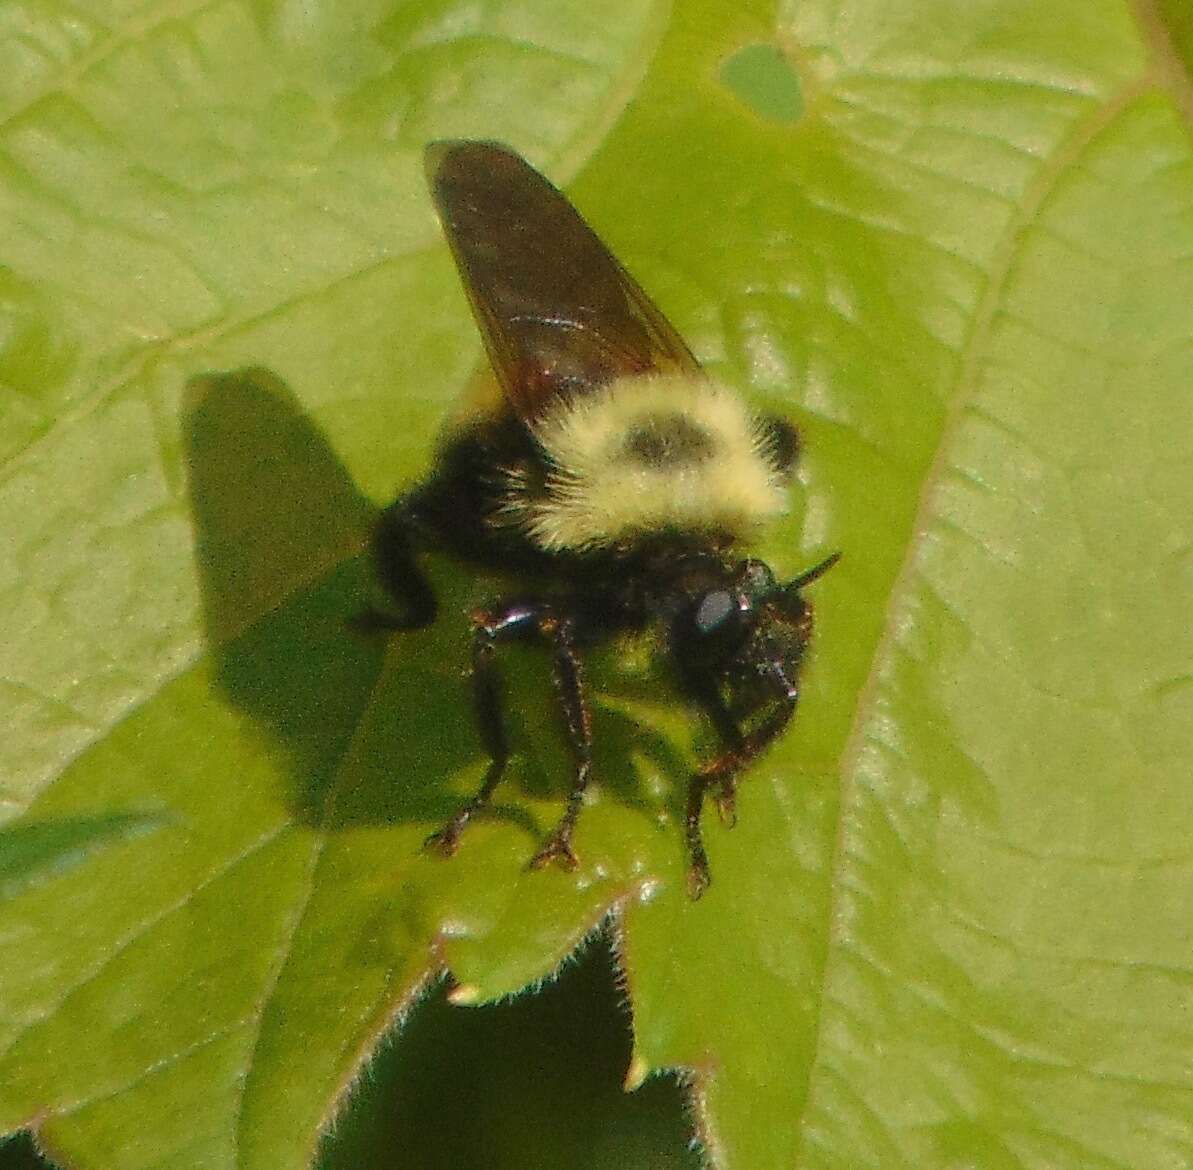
569,682
490,627
724,771
706,692
732,762
487,628
726,768
393,549
709,696
698,874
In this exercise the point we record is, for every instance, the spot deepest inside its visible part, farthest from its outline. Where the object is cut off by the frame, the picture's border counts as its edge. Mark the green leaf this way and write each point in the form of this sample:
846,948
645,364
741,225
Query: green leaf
560,1103
30,852
949,927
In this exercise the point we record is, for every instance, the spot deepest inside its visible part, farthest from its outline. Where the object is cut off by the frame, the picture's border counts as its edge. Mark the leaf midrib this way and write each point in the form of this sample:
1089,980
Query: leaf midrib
1084,133
286,949
1168,71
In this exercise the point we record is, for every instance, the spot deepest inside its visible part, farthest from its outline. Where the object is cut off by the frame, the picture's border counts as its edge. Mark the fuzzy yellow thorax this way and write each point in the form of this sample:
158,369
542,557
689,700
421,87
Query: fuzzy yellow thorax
645,454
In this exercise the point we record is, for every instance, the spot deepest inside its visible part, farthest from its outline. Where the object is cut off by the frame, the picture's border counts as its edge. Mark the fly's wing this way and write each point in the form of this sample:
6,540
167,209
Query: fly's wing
559,315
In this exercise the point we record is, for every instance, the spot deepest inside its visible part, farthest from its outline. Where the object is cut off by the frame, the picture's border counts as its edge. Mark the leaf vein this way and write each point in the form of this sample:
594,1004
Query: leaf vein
1084,133
142,929
129,33
151,1070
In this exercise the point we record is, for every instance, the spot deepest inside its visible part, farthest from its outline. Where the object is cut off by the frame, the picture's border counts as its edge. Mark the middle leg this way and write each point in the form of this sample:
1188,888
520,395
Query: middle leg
490,627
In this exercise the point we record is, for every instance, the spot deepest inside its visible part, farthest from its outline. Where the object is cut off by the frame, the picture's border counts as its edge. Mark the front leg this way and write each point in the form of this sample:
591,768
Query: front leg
724,770
709,696
394,542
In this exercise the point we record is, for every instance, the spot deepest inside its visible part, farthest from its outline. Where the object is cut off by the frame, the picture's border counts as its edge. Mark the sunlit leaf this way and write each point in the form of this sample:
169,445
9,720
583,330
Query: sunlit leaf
951,241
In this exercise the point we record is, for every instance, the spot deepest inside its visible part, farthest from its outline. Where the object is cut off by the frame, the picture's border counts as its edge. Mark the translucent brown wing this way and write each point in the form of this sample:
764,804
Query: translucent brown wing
559,315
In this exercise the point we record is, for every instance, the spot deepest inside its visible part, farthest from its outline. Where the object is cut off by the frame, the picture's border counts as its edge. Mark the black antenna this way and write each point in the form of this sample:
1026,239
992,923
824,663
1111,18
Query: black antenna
810,575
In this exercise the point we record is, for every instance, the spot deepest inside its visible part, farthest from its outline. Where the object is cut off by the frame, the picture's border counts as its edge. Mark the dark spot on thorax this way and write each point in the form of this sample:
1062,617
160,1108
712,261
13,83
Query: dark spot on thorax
667,440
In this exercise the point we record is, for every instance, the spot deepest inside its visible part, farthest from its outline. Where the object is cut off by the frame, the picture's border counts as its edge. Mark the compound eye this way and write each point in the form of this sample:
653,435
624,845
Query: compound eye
714,610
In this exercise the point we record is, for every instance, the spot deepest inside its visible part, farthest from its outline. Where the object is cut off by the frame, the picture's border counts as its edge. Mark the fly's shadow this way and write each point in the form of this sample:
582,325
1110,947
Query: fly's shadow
282,538
282,541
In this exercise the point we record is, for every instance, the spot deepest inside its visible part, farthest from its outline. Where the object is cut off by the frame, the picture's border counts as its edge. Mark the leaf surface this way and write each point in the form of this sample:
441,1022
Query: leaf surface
952,242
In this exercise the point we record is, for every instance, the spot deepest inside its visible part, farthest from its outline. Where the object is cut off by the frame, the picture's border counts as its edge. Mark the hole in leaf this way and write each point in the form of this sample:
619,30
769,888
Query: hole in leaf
762,77
533,1082
19,1152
